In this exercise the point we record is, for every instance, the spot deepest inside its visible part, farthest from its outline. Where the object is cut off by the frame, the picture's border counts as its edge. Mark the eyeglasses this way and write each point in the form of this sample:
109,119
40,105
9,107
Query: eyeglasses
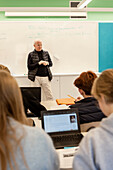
39,45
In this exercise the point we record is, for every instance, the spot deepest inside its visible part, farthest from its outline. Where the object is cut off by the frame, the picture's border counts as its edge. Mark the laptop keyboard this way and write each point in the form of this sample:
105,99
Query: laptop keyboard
67,140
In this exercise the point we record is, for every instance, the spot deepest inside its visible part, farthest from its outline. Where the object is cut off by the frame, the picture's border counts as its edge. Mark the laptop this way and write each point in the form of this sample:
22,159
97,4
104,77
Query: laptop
63,126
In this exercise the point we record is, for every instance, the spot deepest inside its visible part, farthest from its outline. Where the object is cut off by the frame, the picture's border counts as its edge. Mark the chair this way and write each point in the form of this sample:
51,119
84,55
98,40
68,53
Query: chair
31,122
87,126
31,96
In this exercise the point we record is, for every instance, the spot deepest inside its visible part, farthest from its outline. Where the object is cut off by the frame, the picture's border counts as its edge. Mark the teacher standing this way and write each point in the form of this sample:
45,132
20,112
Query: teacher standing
38,64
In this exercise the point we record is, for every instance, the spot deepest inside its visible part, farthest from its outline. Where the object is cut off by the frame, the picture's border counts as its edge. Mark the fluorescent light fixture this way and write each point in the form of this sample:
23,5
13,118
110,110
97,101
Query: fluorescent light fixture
51,11
54,9
45,13
40,9
83,3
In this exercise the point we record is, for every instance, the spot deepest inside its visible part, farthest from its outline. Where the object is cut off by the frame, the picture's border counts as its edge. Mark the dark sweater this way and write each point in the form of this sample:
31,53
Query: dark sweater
88,110
42,70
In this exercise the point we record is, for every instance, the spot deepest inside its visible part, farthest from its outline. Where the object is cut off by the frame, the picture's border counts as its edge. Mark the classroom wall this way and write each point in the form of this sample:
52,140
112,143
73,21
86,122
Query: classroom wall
73,46
59,81
105,46
52,3
91,16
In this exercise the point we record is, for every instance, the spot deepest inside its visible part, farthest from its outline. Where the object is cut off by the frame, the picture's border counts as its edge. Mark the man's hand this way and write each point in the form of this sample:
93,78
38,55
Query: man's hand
45,63
40,62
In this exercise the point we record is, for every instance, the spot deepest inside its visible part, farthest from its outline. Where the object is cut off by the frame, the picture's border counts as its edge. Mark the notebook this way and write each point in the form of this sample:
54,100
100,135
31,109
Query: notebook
67,101
63,126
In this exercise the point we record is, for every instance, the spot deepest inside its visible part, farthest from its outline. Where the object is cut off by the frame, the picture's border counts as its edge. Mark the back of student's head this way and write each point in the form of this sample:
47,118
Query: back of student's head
85,81
10,107
2,67
104,85
10,98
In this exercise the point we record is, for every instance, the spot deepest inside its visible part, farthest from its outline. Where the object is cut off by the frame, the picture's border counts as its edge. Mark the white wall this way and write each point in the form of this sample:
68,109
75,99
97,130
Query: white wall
62,85
73,45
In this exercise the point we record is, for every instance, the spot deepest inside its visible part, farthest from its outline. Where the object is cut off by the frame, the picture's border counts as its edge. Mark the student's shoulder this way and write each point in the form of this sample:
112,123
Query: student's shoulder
32,129
36,133
39,139
92,137
30,133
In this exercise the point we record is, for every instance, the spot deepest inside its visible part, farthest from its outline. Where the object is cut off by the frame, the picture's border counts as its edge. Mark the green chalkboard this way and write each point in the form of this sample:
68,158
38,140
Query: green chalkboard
105,46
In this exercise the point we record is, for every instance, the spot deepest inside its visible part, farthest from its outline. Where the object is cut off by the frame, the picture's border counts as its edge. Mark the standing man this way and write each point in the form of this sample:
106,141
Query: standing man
38,64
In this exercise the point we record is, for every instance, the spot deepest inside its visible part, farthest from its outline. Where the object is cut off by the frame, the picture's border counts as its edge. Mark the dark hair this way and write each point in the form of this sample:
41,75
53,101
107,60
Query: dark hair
85,81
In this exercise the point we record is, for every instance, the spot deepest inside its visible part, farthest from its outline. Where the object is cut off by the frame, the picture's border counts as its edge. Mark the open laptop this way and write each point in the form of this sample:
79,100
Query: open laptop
63,126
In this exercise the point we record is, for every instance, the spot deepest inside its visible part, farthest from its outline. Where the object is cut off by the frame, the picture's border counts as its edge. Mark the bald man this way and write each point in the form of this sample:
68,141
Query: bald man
38,61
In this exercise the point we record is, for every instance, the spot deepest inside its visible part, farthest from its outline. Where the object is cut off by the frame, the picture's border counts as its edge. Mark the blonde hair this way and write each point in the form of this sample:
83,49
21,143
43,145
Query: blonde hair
11,105
104,85
2,67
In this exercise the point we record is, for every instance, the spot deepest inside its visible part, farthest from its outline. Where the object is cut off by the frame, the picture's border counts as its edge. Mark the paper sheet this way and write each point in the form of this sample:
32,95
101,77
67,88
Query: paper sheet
58,107
66,157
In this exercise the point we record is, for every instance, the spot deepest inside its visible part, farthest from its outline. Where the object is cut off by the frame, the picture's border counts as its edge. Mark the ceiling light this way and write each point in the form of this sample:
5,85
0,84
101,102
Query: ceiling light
83,3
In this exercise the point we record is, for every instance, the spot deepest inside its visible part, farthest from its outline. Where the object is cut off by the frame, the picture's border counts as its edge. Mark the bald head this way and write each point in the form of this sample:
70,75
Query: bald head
38,45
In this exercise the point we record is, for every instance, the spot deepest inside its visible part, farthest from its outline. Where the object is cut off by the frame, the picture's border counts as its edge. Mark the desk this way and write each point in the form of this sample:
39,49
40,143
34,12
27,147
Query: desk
49,104
52,105
60,152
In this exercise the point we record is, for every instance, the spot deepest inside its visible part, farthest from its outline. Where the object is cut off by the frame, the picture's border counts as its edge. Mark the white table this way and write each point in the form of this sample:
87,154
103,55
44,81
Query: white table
52,105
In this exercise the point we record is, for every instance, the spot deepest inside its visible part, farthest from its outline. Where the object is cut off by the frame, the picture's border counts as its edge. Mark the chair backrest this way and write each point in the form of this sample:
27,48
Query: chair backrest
86,126
36,91
31,122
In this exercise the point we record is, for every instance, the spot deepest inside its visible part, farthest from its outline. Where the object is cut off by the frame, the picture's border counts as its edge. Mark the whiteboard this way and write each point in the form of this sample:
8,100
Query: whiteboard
72,45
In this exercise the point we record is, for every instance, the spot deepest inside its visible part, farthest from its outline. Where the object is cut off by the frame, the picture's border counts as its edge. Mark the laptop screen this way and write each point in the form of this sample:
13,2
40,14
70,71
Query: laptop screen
60,122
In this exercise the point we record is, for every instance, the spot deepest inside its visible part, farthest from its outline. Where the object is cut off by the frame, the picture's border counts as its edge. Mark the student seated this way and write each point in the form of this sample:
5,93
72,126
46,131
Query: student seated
29,100
88,108
96,149
2,67
21,146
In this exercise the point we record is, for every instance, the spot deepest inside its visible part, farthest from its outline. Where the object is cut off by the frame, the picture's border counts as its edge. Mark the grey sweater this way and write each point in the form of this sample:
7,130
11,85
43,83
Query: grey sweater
38,149
96,148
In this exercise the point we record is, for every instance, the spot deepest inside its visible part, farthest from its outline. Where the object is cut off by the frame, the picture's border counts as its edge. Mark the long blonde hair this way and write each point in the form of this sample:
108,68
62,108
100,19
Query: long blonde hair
104,85
10,106
2,67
